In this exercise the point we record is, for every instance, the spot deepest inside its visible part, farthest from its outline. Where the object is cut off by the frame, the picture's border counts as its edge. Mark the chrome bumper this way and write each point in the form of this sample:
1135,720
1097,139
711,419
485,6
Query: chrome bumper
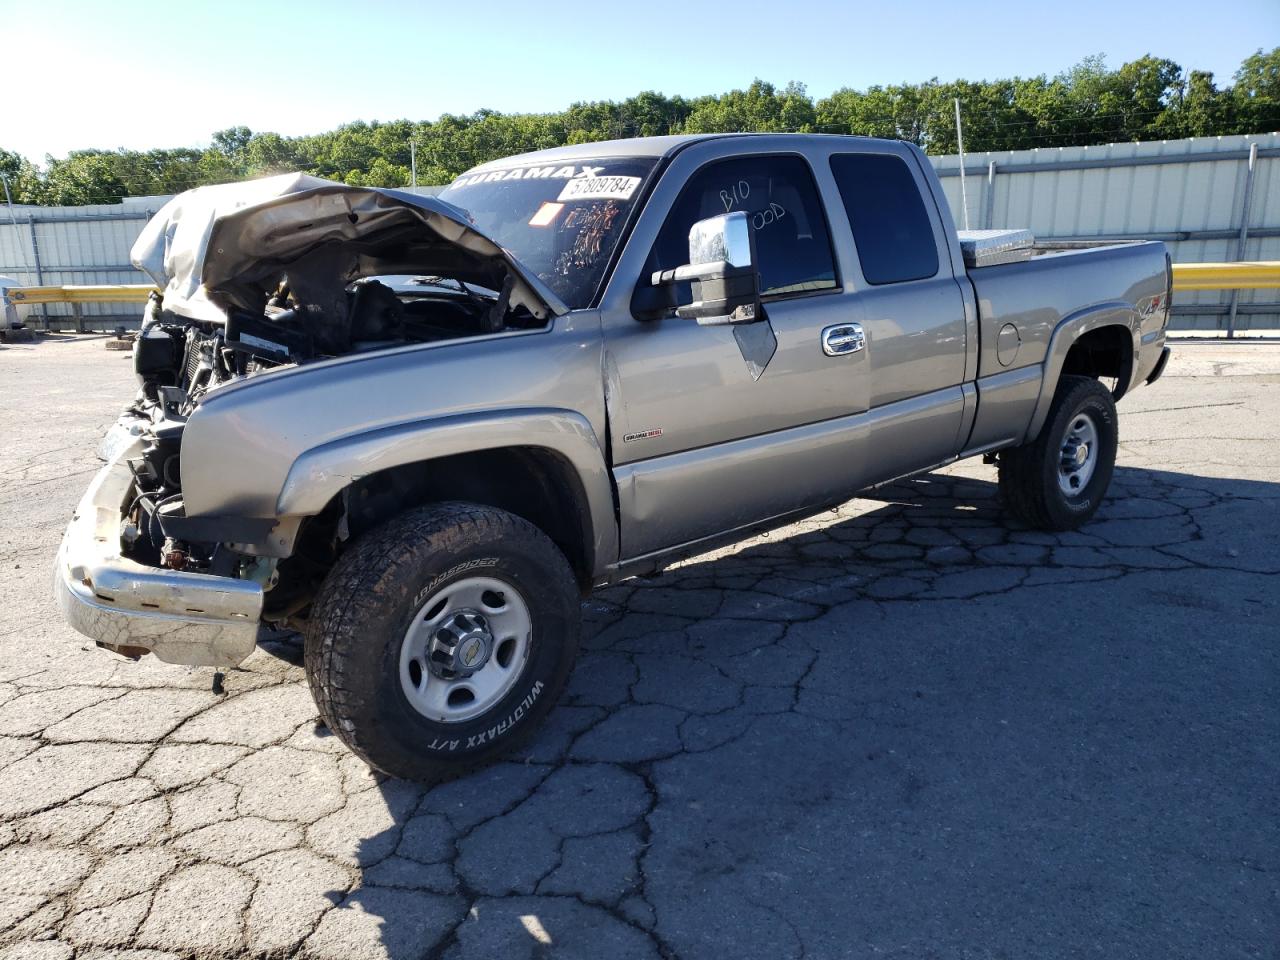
188,618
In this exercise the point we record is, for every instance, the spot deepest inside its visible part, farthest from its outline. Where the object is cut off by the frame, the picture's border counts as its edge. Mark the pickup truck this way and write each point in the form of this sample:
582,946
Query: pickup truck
420,429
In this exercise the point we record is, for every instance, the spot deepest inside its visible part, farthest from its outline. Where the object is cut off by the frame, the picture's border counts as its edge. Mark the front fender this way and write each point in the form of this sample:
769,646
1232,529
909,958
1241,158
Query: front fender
1070,329
322,472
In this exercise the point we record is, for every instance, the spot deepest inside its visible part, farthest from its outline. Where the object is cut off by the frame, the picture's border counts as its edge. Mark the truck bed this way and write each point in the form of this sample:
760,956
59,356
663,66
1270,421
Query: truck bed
1038,293
1023,304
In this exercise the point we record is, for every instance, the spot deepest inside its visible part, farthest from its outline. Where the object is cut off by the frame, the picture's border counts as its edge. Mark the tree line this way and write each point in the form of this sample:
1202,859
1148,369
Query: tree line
1147,99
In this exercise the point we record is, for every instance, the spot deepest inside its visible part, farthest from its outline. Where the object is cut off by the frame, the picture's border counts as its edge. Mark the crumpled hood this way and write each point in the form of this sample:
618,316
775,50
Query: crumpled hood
206,247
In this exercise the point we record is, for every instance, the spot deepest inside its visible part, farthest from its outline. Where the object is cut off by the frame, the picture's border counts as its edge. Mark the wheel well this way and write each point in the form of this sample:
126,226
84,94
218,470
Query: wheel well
1104,352
531,482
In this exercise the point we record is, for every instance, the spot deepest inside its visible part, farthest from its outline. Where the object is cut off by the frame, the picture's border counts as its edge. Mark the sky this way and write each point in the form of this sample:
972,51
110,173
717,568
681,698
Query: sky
168,73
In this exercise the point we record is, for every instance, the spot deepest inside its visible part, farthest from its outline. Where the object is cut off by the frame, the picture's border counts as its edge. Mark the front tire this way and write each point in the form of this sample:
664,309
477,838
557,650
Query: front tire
442,639
1058,481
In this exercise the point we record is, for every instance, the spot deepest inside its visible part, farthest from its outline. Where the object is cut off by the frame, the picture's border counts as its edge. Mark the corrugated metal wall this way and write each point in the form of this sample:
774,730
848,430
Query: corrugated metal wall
80,245
75,245
1189,193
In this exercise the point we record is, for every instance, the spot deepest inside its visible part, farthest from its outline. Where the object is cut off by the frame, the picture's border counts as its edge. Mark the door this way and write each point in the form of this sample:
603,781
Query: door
912,306
717,427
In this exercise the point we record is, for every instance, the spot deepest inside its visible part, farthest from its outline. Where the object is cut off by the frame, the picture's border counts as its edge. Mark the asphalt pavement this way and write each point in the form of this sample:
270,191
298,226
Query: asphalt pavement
899,729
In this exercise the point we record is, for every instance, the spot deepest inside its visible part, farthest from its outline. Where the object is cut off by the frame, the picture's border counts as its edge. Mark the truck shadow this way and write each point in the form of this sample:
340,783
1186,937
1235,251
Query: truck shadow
903,722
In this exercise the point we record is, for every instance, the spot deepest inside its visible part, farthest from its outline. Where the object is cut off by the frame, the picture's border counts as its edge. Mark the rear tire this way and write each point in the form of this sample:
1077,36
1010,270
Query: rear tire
1057,481
441,639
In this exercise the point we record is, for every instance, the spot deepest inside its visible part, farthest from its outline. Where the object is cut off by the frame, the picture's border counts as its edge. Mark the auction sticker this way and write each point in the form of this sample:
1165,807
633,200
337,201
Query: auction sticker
599,188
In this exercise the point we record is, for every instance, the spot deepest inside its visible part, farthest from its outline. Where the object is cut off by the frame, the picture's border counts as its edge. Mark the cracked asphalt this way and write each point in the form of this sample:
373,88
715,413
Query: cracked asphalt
898,729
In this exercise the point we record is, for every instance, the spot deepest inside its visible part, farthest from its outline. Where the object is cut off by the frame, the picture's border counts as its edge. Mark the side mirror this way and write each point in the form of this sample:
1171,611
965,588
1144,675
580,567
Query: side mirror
726,286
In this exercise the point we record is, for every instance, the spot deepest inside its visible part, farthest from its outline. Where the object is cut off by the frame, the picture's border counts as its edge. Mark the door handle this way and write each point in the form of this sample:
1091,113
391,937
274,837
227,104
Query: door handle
843,338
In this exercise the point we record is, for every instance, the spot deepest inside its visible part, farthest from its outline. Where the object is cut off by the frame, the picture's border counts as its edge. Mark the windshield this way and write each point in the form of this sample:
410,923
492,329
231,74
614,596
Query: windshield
561,220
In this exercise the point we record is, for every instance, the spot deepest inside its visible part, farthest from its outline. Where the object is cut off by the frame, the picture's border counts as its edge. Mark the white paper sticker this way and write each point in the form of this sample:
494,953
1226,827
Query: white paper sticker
546,214
599,188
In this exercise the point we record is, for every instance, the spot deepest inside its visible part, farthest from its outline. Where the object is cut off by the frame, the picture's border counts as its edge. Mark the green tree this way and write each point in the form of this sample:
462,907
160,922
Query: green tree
761,108
1198,109
232,141
84,176
270,153
1255,95
1147,98
22,176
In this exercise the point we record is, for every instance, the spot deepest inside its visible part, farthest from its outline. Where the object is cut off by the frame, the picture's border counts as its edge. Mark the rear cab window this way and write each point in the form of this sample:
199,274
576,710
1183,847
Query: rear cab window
891,228
780,198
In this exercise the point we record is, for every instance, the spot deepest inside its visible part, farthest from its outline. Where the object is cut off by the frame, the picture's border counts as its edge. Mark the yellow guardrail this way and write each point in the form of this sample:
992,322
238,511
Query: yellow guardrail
102,293
1257,275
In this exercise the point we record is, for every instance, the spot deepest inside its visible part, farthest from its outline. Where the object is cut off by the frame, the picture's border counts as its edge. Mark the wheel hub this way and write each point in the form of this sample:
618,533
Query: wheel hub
461,645
1078,456
1075,454
465,648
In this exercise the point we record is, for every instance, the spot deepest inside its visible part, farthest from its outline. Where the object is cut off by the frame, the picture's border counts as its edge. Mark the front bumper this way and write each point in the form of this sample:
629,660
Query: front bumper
189,618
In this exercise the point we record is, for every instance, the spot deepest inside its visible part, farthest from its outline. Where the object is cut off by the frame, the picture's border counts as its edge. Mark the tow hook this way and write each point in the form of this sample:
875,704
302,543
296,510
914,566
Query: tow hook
261,570
174,555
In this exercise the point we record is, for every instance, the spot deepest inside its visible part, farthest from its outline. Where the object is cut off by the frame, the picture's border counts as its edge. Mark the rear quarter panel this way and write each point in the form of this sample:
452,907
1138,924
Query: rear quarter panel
1049,301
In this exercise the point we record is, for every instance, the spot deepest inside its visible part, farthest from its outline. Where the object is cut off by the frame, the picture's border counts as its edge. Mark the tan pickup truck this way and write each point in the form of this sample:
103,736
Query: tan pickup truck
420,429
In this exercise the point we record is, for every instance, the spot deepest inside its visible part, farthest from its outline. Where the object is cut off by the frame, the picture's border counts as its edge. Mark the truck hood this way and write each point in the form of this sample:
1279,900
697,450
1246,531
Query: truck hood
213,248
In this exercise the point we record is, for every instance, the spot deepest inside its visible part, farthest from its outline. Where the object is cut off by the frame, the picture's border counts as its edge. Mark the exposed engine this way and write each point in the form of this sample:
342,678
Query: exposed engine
179,361
280,273
370,314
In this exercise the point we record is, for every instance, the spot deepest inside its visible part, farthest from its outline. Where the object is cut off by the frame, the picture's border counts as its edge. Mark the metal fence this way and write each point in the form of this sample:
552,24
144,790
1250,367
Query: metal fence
42,246
75,245
1214,199
1211,199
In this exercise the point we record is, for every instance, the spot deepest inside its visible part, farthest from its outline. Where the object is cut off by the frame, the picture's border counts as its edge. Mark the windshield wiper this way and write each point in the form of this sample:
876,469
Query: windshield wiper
493,304
472,292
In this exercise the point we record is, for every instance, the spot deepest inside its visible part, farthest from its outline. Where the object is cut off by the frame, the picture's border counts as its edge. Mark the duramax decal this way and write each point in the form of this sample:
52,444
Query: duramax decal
548,172
643,435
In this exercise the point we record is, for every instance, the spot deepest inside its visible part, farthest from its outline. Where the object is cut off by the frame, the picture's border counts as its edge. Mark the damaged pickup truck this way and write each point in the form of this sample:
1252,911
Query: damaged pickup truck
420,429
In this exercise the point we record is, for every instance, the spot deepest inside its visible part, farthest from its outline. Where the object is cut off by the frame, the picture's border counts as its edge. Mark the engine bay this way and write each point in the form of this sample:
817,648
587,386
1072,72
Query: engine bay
192,357
179,360
277,274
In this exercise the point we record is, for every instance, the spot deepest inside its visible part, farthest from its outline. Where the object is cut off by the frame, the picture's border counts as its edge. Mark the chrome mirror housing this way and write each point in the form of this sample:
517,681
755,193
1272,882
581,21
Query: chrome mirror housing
722,269
722,239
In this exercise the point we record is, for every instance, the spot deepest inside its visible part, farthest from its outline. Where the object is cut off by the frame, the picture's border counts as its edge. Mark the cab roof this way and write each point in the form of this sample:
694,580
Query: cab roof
633,147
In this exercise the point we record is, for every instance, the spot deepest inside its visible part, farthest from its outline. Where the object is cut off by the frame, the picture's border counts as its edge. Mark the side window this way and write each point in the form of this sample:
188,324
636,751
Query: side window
891,227
778,194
